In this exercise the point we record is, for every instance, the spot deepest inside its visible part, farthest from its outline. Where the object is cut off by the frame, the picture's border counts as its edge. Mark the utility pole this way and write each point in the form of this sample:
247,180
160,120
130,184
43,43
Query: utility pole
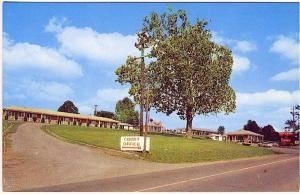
143,41
95,111
295,115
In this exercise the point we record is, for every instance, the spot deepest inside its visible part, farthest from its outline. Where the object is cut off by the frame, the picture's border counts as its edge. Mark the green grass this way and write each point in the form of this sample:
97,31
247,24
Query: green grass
164,149
8,127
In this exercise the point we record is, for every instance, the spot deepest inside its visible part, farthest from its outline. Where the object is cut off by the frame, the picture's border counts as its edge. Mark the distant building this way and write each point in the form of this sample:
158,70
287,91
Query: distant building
180,130
197,131
55,117
155,126
203,132
217,137
244,136
125,126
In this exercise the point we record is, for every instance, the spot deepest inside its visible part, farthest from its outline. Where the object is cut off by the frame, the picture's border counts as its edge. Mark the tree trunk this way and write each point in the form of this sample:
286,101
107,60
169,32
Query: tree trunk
189,123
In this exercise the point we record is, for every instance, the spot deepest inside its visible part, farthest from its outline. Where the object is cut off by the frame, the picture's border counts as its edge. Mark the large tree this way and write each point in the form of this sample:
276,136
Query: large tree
69,107
125,112
189,74
269,133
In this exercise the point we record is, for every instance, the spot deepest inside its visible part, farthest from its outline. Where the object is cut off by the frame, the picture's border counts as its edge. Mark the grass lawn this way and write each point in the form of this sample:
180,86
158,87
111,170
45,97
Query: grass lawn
7,128
10,126
164,149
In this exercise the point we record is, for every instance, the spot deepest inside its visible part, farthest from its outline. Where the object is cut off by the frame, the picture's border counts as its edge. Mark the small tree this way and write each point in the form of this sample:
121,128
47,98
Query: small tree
221,130
106,114
126,113
69,107
294,122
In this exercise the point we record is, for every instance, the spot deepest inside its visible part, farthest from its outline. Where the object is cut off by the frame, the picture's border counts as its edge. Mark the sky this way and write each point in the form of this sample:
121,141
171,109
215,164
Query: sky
53,52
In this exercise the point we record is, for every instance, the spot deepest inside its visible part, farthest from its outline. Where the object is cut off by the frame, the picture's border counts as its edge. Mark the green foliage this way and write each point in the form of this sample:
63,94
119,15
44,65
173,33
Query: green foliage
8,127
106,114
126,113
294,122
69,107
165,149
267,131
190,74
221,130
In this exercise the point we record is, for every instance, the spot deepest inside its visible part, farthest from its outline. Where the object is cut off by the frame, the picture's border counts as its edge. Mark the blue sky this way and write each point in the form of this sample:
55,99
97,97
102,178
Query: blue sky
58,51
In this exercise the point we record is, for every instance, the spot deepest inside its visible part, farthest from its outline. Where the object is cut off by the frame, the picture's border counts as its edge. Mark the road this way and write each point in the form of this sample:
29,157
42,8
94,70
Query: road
276,173
45,163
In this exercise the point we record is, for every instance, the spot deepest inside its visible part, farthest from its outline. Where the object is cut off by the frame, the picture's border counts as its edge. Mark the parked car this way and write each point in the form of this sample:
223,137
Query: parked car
268,144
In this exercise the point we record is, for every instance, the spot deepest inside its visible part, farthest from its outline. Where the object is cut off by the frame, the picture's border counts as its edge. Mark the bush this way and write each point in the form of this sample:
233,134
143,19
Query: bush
6,117
16,117
34,119
43,120
74,122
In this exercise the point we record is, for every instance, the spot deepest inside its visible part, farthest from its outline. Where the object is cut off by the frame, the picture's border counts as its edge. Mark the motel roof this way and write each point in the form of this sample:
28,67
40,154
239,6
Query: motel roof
56,113
244,132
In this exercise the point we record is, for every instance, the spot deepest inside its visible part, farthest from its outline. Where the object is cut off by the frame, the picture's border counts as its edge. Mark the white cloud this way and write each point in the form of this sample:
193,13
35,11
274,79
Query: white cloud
240,64
245,46
219,39
111,95
42,90
287,47
55,24
97,48
271,97
106,99
291,75
32,56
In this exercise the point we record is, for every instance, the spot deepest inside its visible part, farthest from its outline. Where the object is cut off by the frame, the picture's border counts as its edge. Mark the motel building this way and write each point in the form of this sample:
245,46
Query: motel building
155,126
53,117
244,136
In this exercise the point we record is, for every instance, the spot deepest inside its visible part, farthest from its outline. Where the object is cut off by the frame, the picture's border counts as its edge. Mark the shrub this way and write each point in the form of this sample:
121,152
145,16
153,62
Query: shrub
6,117
16,117
34,119
43,120
74,122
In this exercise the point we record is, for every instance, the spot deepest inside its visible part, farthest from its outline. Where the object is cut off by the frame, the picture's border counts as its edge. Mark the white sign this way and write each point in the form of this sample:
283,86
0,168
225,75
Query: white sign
134,143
